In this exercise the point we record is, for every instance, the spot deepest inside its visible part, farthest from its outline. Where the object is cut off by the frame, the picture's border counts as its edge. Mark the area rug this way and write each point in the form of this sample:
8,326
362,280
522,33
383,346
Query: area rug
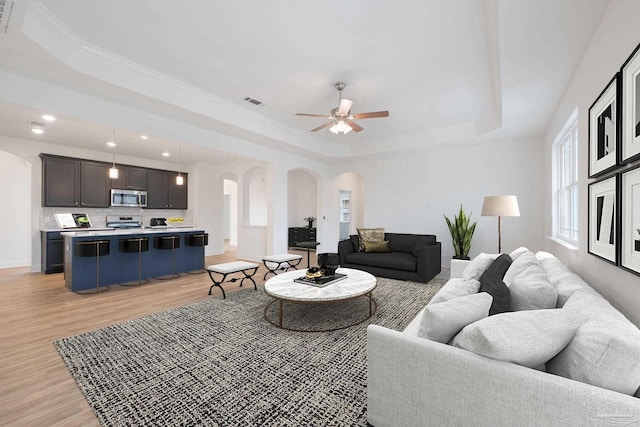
220,363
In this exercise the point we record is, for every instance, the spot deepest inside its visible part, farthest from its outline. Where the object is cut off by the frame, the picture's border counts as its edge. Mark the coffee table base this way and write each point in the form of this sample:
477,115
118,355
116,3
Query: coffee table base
373,306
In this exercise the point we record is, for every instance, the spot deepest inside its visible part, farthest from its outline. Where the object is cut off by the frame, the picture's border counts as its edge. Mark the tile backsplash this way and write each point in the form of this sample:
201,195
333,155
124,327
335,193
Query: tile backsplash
98,216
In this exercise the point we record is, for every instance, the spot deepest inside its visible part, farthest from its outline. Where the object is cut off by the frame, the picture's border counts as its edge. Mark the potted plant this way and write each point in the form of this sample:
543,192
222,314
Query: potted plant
461,234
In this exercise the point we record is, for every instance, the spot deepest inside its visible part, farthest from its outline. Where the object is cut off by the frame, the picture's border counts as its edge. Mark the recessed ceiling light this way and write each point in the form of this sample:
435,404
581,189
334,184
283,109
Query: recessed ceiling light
166,154
48,117
37,131
111,144
144,137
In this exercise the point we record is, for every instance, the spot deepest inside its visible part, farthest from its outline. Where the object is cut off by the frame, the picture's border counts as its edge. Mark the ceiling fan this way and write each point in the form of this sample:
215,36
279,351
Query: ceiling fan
340,119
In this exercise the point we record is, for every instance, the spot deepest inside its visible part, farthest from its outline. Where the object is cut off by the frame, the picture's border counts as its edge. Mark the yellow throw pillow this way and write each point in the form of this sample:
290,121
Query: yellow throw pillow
377,246
373,235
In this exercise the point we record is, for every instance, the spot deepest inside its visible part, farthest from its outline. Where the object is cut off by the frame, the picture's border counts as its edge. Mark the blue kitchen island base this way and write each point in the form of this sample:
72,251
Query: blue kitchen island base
119,267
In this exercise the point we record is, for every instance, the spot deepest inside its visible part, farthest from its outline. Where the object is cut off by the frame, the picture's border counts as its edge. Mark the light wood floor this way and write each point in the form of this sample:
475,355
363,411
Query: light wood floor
36,388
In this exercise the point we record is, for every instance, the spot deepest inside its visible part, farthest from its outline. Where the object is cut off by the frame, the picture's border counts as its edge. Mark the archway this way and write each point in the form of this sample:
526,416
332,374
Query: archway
15,219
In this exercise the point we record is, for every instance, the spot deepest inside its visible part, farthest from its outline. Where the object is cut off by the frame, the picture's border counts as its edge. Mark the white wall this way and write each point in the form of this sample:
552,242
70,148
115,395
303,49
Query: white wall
302,197
616,37
231,190
410,192
15,215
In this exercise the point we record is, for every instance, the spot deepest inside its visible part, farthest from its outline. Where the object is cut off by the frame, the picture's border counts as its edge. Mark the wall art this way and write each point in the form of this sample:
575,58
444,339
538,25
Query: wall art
602,219
630,219
604,130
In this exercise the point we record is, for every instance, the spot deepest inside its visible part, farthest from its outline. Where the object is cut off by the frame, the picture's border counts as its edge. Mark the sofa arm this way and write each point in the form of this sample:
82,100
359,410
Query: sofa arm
428,261
414,381
345,247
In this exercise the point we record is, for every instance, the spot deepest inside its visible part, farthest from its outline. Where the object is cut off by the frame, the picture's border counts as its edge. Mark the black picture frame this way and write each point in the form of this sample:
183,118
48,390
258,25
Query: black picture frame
603,219
629,219
604,129
630,108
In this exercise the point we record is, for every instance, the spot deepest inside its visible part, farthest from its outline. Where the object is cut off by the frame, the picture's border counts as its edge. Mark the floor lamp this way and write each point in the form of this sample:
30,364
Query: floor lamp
500,206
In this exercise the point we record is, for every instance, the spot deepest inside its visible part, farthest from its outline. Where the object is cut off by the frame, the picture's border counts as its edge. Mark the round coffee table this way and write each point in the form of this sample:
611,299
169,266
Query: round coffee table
283,288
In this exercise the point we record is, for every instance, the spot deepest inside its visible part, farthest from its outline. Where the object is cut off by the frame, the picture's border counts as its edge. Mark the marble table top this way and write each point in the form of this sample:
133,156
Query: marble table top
283,286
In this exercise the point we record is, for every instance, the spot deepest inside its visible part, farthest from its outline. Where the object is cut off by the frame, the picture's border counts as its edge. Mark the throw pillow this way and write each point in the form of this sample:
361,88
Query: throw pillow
454,288
531,290
377,246
441,322
500,265
355,241
370,235
491,284
602,353
477,266
523,262
528,338
516,253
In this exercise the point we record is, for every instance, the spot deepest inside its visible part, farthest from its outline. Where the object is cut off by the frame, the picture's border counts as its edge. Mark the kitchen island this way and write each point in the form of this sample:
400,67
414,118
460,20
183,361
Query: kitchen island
118,267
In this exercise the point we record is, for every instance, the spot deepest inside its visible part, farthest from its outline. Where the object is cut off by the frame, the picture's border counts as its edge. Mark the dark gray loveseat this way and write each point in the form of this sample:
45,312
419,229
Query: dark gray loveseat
413,257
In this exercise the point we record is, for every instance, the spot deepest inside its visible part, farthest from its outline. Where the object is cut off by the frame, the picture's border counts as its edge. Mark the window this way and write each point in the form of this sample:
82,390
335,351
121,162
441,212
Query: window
565,200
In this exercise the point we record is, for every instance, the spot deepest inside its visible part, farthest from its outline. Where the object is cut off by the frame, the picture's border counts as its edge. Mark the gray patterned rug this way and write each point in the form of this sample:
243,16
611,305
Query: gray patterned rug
219,363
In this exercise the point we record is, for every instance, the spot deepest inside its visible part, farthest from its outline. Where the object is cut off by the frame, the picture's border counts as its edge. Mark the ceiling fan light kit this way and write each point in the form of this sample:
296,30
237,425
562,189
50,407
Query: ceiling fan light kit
340,119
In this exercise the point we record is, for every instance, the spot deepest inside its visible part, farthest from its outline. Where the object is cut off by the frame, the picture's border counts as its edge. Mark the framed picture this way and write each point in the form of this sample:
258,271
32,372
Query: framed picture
630,220
604,126
603,230
630,129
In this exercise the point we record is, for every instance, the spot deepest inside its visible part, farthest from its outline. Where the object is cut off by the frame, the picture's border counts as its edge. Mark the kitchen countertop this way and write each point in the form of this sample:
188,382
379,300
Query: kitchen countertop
112,232
77,229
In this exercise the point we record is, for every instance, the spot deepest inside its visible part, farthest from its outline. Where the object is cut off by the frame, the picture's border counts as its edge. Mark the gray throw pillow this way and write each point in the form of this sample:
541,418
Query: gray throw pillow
531,290
477,266
528,338
521,263
454,288
442,321
604,353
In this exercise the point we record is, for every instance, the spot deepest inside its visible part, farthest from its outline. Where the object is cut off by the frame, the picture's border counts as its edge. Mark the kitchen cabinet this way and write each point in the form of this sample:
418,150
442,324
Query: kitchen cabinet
301,234
68,182
51,252
94,185
162,191
60,181
130,178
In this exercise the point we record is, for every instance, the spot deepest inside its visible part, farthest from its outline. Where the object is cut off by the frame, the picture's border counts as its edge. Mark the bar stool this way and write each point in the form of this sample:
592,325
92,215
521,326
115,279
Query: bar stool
197,240
135,245
93,248
168,242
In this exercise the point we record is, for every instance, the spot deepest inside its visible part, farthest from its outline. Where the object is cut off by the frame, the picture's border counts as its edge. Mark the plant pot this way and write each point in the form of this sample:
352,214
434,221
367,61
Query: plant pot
458,266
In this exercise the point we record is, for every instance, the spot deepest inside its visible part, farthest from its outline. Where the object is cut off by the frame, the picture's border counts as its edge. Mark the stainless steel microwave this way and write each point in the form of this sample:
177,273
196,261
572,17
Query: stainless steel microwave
130,198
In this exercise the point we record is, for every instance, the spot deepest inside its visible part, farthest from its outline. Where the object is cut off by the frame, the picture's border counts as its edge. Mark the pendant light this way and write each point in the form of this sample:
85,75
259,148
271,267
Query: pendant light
113,170
179,178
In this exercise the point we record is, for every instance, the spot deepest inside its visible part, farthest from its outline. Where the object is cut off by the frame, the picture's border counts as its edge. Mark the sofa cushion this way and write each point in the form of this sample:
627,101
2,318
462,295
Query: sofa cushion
477,266
370,235
393,260
565,282
355,241
528,338
523,262
602,353
421,242
593,307
491,284
500,265
517,252
377,246
454,288
531,290
442,321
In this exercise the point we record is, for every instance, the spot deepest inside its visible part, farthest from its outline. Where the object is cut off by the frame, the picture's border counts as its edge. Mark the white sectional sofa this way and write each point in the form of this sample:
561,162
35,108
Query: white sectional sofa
588,375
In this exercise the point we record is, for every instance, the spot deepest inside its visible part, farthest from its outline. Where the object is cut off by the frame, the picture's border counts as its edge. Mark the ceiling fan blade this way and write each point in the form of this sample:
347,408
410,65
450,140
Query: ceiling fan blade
329,123
371,115
312,115
345,106
356,127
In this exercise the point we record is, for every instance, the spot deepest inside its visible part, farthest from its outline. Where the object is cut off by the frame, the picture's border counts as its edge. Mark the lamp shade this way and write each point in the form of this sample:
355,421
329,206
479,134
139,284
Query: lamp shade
500,206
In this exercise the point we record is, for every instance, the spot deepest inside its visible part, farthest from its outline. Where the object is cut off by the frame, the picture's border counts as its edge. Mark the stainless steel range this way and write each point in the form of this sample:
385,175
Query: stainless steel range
124,221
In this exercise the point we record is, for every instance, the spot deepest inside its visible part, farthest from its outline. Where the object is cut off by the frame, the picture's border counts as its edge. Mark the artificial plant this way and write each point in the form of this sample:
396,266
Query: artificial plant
461,233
